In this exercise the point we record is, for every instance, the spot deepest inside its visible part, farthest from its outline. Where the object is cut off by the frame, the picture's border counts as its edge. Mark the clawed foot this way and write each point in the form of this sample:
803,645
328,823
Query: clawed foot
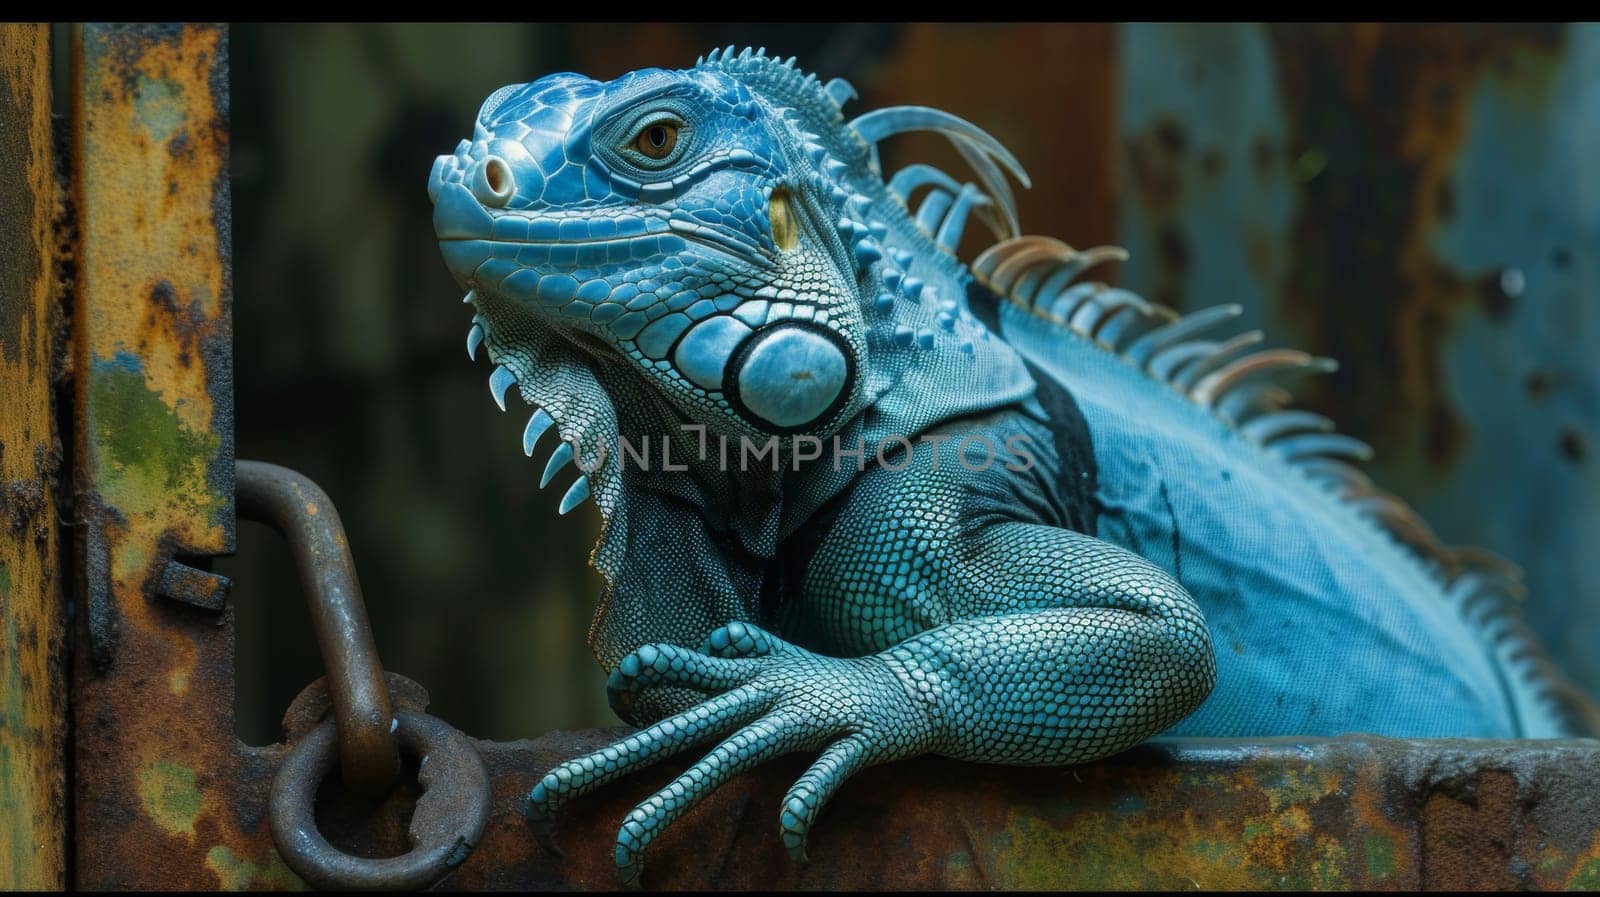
776,698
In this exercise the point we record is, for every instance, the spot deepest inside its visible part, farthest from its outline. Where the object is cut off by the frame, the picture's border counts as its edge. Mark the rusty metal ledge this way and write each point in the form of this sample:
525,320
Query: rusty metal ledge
1353,812
1349,813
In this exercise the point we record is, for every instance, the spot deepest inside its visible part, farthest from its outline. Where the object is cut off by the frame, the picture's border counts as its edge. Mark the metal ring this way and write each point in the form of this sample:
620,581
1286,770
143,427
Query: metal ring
449,820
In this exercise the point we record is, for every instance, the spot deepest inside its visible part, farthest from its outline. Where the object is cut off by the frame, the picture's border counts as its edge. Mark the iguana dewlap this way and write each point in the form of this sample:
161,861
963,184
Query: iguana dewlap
683,260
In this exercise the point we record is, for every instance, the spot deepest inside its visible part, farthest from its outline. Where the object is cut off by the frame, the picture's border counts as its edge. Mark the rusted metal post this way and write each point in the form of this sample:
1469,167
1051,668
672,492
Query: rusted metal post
153,716
32,695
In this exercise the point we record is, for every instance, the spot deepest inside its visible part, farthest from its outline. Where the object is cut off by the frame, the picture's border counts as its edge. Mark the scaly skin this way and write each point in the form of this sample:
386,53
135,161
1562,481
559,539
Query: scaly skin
716,248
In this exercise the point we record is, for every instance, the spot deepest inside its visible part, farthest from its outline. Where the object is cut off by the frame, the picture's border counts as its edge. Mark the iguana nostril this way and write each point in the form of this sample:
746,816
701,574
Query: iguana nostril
493,182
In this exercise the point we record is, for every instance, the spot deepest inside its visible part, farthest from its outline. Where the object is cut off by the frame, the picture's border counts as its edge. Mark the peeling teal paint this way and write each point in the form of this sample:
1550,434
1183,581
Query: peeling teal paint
160,106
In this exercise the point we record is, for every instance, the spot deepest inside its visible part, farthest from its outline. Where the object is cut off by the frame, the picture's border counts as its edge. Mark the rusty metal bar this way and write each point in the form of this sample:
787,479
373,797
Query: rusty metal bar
155,756
32,630
302,512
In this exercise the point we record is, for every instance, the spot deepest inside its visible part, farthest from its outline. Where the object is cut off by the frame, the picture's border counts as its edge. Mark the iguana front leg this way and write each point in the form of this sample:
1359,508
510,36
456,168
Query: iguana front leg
1003,641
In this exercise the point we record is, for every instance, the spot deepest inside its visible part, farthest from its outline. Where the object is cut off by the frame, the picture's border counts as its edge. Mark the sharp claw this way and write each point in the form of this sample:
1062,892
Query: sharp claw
795,845
474,340
544,833
620,684
792,828
628,867
805,800
539,821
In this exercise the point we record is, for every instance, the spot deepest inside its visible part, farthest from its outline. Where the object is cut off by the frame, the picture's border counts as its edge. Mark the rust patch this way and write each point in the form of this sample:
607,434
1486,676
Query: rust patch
1469,841
1384,108
1156,158
32,690
1574,447
19,257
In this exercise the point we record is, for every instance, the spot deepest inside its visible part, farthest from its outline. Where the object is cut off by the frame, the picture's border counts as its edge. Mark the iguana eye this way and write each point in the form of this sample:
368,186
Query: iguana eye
656,140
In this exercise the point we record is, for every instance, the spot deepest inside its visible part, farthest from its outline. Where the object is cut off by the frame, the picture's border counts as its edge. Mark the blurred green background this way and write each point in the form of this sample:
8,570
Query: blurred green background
1420,202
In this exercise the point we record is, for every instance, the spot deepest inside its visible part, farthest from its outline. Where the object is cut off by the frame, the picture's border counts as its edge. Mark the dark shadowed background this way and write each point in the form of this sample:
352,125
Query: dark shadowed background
1420,202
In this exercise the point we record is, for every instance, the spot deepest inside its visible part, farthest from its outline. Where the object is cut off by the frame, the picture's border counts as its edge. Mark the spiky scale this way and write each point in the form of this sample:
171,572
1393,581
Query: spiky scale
909,179
902,257
935,204
879,124
501,380
559,458
537,424
1186,327
576,493
884,302
911,287
955,222
903,335
840,90
474,340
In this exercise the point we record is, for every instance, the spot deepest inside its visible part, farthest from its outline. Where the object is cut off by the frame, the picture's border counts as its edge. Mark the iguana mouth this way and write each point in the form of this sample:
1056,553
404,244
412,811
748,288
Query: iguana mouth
459,217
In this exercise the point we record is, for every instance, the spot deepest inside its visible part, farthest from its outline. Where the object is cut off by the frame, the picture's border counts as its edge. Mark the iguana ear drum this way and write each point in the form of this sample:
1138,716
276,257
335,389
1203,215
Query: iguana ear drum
790,376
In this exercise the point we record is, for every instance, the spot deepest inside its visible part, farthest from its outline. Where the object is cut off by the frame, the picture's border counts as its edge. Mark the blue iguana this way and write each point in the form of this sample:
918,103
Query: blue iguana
674,263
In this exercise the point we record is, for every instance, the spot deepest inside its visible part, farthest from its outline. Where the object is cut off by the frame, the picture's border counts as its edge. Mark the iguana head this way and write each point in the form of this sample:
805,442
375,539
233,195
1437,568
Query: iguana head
717,242
668,219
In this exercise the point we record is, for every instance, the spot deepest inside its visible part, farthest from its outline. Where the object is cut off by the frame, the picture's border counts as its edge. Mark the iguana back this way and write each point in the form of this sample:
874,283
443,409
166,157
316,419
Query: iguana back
1333,608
